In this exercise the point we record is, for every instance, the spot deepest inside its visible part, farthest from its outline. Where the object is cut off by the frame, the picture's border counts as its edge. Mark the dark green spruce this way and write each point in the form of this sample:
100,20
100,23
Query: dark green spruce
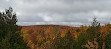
9,36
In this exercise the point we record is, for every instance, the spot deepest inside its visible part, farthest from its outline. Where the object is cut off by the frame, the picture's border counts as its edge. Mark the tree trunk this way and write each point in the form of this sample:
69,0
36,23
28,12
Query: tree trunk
103,46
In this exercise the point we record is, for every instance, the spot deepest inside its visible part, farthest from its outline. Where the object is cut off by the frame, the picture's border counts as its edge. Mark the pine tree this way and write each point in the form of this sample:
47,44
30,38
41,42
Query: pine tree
9,37
93,30
95,22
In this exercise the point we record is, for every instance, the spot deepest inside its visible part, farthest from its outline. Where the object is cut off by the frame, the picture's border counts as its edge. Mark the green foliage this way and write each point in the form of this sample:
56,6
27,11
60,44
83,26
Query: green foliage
95,22
93,31
66,42
108,41
81,41
9,37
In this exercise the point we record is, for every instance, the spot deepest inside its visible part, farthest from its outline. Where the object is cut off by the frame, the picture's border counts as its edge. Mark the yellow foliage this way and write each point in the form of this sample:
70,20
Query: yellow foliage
105,30
25,34
63,33
40,38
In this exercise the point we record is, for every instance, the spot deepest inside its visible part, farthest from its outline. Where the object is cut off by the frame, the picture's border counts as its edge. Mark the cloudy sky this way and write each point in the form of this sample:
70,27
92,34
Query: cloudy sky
60,12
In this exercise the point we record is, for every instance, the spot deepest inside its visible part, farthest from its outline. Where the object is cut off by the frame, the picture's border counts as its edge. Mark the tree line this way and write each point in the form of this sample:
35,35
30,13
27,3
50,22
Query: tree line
93,36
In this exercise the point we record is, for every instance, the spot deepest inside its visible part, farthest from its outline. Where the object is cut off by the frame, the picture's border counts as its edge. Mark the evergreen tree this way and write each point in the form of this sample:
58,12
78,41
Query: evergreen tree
93,31
66,42
9,37
95,22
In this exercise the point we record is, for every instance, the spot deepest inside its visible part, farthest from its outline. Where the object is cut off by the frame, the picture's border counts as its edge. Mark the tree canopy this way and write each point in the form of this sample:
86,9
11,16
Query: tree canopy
9,36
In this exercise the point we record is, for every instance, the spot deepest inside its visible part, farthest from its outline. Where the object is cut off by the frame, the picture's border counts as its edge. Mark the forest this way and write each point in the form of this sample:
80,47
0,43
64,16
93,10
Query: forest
13,36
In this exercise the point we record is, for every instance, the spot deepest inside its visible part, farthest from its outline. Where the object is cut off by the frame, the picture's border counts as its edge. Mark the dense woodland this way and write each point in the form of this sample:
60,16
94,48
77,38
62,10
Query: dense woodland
12,36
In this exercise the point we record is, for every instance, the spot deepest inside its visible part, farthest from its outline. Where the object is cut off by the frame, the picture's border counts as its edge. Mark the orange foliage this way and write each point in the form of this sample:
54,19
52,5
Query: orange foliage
76,35
105,31
44,34
48,30
63,32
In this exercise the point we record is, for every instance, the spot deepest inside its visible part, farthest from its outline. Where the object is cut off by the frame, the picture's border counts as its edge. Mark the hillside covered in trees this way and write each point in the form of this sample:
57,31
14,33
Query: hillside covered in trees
94,36
43,36
12,36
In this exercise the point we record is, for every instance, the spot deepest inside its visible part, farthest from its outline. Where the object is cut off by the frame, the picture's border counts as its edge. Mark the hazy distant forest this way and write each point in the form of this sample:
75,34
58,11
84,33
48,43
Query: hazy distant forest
12,36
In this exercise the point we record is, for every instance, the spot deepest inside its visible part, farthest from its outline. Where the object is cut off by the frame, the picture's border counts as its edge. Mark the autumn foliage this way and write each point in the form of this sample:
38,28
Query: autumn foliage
12,36
60,37
43,35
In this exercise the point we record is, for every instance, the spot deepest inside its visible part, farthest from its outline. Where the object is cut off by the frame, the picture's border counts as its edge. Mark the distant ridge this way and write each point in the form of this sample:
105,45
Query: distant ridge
40,27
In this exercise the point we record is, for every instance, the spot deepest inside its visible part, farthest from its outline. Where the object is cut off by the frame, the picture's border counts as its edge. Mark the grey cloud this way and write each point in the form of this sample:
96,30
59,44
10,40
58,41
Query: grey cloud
51,23
66,12
30,19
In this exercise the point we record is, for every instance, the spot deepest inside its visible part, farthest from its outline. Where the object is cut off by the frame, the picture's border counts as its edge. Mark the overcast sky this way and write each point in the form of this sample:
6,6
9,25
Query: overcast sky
60,12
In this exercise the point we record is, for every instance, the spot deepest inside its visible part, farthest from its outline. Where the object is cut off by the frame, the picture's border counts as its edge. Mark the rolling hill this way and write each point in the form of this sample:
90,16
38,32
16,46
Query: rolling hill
38,36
